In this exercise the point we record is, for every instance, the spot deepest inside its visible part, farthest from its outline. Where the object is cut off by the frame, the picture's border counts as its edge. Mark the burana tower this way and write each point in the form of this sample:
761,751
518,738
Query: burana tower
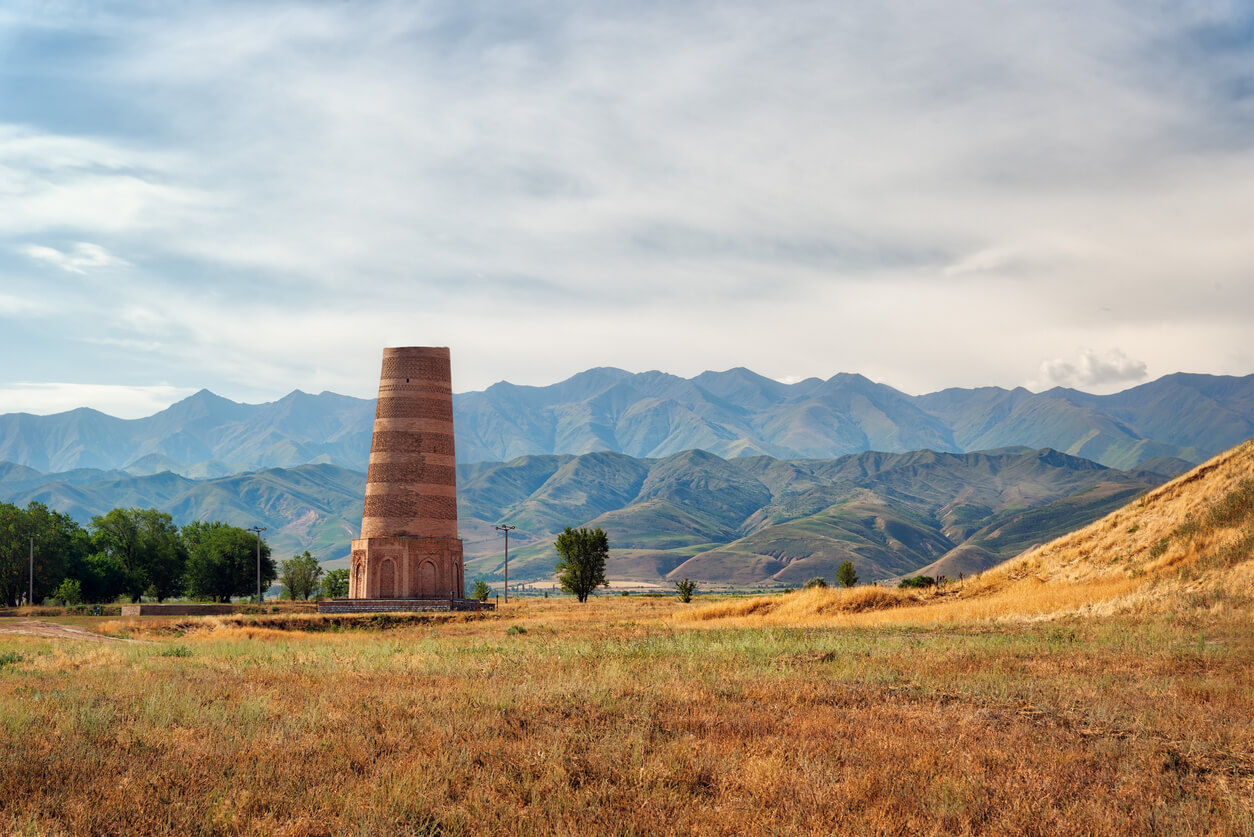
409,547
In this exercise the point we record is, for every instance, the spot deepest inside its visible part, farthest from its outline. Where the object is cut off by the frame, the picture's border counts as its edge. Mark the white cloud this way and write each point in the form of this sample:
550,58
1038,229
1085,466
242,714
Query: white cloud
886,188
120,401
16,306
81,258
1094,370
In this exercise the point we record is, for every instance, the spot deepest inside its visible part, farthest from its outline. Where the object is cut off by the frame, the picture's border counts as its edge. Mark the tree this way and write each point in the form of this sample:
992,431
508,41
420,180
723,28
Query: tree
103,576
480,591
581,569
60,544
300,575
223,561
847,575
334,585
686,588
817,581
70,592
147,545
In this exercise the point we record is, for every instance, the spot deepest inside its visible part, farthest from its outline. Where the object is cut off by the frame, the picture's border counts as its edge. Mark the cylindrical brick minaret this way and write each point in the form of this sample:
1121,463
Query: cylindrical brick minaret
408,546
411,487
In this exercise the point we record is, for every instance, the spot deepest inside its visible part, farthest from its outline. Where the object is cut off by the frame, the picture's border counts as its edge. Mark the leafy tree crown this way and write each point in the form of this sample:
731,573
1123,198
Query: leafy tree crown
581,568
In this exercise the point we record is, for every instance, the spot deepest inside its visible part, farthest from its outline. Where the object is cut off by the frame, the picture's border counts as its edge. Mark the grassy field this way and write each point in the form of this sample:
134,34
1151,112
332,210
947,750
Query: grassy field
1102,683
625,716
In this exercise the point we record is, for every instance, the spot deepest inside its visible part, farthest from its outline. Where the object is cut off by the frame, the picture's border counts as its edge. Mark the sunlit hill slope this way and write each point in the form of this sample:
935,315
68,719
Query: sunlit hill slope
1186,547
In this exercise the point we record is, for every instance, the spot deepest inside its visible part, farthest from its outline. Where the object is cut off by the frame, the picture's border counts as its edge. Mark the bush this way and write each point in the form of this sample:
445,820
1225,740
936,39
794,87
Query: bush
515,629
847,575
480,591
1235,508
917,581
70,592
685,589
814,582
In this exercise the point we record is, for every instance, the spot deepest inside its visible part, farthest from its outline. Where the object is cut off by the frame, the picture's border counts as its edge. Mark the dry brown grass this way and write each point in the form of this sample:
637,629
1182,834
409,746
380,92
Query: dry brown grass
1185,547
167,626
804,607
606,718
869,711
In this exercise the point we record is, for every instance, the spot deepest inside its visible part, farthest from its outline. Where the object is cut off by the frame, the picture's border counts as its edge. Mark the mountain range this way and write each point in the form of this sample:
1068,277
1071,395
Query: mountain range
728,477
1181,417
747,521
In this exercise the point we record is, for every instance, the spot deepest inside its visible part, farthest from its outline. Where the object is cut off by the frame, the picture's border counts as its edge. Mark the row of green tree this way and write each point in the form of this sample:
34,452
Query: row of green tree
134,553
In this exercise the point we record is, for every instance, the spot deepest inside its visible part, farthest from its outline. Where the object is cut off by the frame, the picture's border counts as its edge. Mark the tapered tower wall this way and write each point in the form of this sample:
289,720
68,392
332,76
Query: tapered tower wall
409,546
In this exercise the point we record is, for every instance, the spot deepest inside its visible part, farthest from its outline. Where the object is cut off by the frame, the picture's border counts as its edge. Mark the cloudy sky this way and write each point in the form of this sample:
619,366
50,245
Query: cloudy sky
258,197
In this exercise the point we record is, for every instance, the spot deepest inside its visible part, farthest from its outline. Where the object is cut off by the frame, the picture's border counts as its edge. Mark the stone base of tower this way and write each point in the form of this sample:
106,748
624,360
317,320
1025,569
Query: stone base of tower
406,568
399,605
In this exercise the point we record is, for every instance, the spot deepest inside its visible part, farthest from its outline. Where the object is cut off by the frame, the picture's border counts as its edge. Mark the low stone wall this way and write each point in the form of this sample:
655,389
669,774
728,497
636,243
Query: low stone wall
176,609
400,605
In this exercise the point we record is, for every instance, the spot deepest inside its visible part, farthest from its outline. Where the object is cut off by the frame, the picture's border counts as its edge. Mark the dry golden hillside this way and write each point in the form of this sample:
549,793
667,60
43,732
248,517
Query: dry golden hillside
1187,546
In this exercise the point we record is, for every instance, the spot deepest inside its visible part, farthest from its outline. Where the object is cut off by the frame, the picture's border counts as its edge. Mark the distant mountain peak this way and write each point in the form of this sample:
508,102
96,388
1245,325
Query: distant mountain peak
653,414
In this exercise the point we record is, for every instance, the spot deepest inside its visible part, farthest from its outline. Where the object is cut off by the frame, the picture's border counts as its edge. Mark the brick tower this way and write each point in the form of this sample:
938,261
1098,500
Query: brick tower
409,547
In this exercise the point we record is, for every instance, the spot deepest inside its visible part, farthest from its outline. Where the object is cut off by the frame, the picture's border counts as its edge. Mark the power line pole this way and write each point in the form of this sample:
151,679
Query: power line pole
258,530
31,595
505,528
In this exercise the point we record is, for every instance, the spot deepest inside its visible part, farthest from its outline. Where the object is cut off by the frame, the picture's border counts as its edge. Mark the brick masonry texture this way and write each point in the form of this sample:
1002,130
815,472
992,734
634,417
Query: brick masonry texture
410,506
409,548
410,441
422,367
410,473
429,408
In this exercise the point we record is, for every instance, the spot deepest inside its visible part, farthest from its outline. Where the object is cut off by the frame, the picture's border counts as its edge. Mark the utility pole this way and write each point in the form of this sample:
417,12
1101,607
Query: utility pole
31,595
258,530
505,528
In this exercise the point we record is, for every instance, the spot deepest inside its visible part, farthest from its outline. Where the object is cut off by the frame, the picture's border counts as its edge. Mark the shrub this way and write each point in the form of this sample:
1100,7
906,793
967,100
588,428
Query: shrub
685,589
515,629
70,592
1234,508
847,575
480,591
917,581
1188,529
814,582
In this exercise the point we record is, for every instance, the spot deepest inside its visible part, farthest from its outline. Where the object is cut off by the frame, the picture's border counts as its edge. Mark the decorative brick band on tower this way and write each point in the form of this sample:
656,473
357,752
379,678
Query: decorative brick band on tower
409,547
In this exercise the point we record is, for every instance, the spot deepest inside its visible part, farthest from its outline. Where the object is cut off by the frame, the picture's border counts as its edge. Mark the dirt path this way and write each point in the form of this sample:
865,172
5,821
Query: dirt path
37,627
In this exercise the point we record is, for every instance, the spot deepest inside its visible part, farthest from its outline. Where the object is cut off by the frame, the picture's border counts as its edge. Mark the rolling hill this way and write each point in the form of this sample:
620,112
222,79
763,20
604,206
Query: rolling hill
750,521
1185,549
761,521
